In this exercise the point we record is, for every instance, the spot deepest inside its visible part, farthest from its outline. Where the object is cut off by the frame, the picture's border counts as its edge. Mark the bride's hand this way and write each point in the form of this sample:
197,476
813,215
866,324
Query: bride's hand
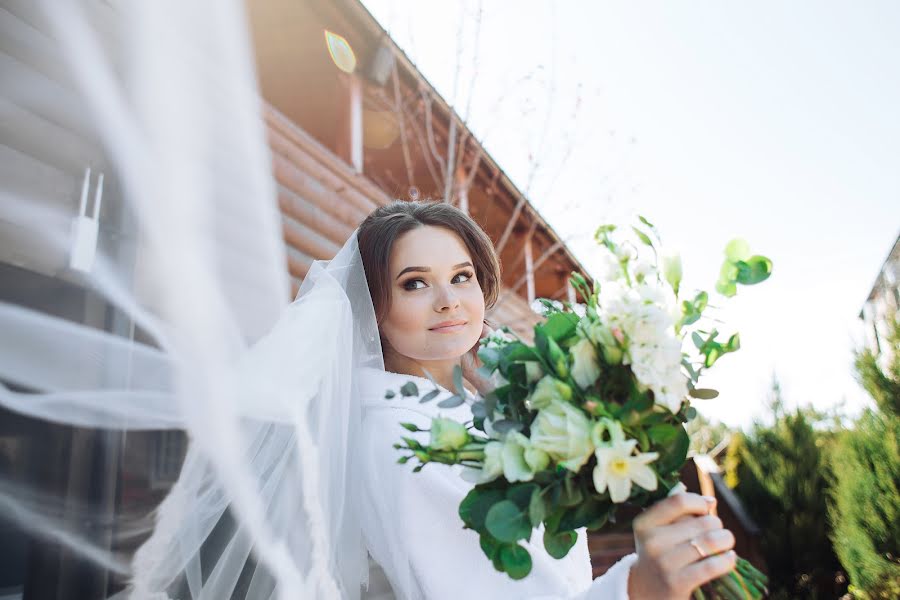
470,364
680,546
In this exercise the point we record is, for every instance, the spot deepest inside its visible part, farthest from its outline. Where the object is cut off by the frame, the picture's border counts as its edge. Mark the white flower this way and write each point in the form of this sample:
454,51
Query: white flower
548,390
497,339
447,434
602,335
585,369
492,467
520,459
617,467
515,458
644,270
563,432
671,268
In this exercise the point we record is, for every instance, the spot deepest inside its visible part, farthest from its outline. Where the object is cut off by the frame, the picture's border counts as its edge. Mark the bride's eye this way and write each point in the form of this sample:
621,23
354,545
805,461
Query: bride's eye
413,284
466,276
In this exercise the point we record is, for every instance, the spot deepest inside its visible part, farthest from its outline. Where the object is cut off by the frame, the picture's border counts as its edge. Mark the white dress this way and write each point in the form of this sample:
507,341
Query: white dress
414,534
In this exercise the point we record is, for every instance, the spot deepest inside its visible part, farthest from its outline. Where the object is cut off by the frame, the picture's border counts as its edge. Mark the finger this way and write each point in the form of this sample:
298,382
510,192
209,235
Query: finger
706,570
663,539
667,511
708,544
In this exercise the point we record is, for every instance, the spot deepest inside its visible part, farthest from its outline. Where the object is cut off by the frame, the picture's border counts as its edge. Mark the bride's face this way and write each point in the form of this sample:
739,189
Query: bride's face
437,306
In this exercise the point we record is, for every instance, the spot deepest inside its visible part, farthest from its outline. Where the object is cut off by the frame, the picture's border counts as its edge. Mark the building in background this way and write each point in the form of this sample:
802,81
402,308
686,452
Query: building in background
353,125
883,305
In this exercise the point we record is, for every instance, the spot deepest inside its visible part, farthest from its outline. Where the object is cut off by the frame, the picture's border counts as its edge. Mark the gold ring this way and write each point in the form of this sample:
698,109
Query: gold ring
698,548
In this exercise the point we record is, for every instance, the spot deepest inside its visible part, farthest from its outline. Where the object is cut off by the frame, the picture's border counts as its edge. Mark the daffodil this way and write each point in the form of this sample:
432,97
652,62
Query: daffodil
618,467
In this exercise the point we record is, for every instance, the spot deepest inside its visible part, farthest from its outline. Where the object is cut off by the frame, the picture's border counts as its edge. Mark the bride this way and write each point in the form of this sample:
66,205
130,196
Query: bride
290,487
432,272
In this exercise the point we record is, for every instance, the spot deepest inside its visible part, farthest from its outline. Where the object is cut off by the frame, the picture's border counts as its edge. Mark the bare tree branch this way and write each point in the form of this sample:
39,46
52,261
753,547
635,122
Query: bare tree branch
399,111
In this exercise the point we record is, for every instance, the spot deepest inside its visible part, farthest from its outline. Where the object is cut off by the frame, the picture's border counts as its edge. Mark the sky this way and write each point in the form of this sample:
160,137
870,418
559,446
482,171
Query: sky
773,121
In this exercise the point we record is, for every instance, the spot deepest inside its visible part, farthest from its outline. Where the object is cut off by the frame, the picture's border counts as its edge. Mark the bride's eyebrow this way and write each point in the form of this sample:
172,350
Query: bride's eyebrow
428,269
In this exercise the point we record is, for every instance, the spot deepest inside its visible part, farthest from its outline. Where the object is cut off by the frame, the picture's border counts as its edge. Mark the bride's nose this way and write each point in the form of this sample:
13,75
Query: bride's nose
445,299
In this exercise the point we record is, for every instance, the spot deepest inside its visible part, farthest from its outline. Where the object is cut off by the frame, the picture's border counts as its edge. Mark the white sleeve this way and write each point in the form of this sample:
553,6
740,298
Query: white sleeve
414,532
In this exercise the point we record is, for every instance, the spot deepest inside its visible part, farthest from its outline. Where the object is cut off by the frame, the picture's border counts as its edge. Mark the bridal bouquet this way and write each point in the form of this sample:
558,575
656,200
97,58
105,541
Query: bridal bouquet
591,416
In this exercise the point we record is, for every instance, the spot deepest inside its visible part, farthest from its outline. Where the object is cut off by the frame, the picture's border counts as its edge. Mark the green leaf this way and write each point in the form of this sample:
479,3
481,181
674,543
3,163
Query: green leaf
521,494
734,343
429,396
646,222
489,545
409,389
643,236
489,356
673,456
726,288
507,425
451,402
698,341
475,506
713,355
478,410
690,413
389,394
537,508
737,249
507,522
703,393
663,435
560,326
559,544
754,270
570,493
700,301
589,511
516,561
458,381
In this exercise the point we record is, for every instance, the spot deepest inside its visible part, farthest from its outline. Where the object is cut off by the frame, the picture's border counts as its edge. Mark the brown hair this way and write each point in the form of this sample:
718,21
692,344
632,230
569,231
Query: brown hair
386,224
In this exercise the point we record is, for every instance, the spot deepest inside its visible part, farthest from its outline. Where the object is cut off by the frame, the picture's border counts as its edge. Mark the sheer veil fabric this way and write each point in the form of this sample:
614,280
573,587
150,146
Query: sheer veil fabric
180,321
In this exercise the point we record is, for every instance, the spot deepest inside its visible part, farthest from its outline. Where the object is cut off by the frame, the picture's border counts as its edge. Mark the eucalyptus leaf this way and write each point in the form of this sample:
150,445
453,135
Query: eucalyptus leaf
559,544
507,425
389,394
458,381
507,522
643,237
673,456
703,393
451,402
521,494
489,545
698,340
646,222
726,288
757,269
475,506
478,410
537,508
409,389
516,561
429,396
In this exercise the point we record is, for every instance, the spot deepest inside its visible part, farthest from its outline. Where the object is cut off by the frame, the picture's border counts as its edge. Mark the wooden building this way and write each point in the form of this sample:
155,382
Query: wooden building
353,125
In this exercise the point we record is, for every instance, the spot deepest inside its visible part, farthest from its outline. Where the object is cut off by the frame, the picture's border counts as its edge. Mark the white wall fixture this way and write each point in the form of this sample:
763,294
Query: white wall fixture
85,228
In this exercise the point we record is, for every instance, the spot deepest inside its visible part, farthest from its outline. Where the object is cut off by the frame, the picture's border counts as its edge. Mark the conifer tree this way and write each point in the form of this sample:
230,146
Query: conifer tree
865,498
779,472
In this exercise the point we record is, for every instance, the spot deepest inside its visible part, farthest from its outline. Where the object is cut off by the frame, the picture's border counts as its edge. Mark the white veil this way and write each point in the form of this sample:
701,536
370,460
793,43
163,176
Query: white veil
147,296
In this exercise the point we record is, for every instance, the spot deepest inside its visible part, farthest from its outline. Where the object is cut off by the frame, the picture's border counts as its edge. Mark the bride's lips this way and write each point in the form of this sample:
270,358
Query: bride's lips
449,326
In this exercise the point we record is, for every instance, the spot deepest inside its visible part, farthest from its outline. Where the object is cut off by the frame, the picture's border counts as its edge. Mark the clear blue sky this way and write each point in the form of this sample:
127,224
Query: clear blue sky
774,121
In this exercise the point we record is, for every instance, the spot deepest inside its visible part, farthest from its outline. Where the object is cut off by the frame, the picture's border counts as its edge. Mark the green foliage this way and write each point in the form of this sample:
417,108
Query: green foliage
780,472
865,499
882,384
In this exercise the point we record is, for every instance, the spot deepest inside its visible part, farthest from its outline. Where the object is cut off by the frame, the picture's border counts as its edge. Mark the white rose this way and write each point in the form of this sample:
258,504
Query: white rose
447,434
563,432
548,390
